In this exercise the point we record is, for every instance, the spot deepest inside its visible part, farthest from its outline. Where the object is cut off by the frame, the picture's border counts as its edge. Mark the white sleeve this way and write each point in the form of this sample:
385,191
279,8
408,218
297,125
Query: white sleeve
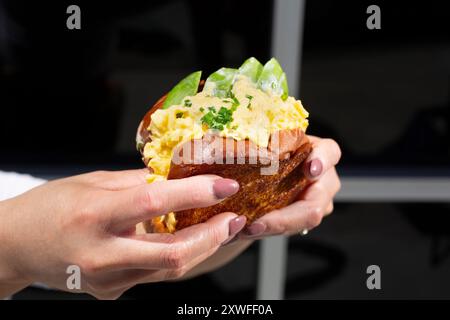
12,184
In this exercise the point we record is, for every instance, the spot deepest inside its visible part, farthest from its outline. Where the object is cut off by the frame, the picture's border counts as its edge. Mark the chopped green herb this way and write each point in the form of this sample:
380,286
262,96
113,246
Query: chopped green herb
236,102
187,103
179,115
217,119
234,127
202,109
249,97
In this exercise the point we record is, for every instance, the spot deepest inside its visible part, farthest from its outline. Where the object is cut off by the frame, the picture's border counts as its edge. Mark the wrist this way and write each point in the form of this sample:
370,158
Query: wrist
10,278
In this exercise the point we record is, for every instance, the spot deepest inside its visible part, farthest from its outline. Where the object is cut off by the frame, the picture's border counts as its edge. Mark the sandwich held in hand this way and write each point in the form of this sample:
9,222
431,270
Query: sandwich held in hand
239,124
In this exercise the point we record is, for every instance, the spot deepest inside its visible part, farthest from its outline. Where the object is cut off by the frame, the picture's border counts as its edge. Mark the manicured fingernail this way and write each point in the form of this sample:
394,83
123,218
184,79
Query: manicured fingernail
255,229
236,225
225,187
315,168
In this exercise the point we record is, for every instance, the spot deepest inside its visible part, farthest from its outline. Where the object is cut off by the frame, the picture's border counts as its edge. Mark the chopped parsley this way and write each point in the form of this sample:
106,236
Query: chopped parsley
187,103
218,119
179,115
202,109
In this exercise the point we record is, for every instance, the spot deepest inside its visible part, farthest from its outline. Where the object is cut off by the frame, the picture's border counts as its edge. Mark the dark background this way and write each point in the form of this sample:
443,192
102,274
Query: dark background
71,100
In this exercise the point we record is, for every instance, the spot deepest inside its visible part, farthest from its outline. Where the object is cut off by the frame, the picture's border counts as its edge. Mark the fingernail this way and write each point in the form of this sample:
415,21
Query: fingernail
225,187
315,168
236,225
255,229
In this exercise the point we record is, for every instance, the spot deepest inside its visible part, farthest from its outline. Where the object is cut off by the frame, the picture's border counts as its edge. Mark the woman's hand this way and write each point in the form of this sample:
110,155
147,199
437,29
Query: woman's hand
315,202
89,221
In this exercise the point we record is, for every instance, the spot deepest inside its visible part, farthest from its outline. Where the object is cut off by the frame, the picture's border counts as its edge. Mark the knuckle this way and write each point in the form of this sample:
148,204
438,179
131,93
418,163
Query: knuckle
279,225
282,226
338,185
90,265
314,217
88,215
336,149
84,215
150,202
167,238
196,197
175,256
330,208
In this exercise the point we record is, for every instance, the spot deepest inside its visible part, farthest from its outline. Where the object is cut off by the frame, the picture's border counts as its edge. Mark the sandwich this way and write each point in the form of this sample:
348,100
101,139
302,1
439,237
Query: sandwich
239,124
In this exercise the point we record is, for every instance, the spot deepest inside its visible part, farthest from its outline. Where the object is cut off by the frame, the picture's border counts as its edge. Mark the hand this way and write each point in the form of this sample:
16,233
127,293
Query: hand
315,202
89,221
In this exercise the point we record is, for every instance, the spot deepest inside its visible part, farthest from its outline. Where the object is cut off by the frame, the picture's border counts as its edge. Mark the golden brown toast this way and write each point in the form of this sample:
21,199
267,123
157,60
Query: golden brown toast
258,193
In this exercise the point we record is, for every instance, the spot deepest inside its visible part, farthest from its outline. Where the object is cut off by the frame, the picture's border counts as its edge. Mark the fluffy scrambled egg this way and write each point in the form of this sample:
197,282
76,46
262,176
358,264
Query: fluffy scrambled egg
256,114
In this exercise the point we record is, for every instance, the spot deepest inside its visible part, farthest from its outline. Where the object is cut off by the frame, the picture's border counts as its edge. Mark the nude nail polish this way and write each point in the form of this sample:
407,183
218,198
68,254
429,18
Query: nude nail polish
315,168
255,229
225,187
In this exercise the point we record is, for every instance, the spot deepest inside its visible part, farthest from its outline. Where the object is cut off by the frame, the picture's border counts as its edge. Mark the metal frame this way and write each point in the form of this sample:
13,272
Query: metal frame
287,21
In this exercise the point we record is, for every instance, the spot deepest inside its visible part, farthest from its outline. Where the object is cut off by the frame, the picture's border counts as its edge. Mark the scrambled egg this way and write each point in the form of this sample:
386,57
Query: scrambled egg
257,115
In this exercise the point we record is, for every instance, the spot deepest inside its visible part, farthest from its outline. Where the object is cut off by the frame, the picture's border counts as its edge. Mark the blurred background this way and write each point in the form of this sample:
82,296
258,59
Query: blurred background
71,100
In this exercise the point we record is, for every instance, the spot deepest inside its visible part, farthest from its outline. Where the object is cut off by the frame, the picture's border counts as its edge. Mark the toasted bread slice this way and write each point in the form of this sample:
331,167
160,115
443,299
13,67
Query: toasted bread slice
258,194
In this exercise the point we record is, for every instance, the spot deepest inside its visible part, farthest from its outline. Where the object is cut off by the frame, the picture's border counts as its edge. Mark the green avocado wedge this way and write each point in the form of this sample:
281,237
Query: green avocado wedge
251,68
186,87
273,78
220,82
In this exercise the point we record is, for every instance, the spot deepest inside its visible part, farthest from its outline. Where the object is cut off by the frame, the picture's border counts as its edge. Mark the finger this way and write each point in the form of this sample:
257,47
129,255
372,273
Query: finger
329,184
117,180
183,247
128,207
173,274
297,216
325,155
116,281
302,214
122,280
